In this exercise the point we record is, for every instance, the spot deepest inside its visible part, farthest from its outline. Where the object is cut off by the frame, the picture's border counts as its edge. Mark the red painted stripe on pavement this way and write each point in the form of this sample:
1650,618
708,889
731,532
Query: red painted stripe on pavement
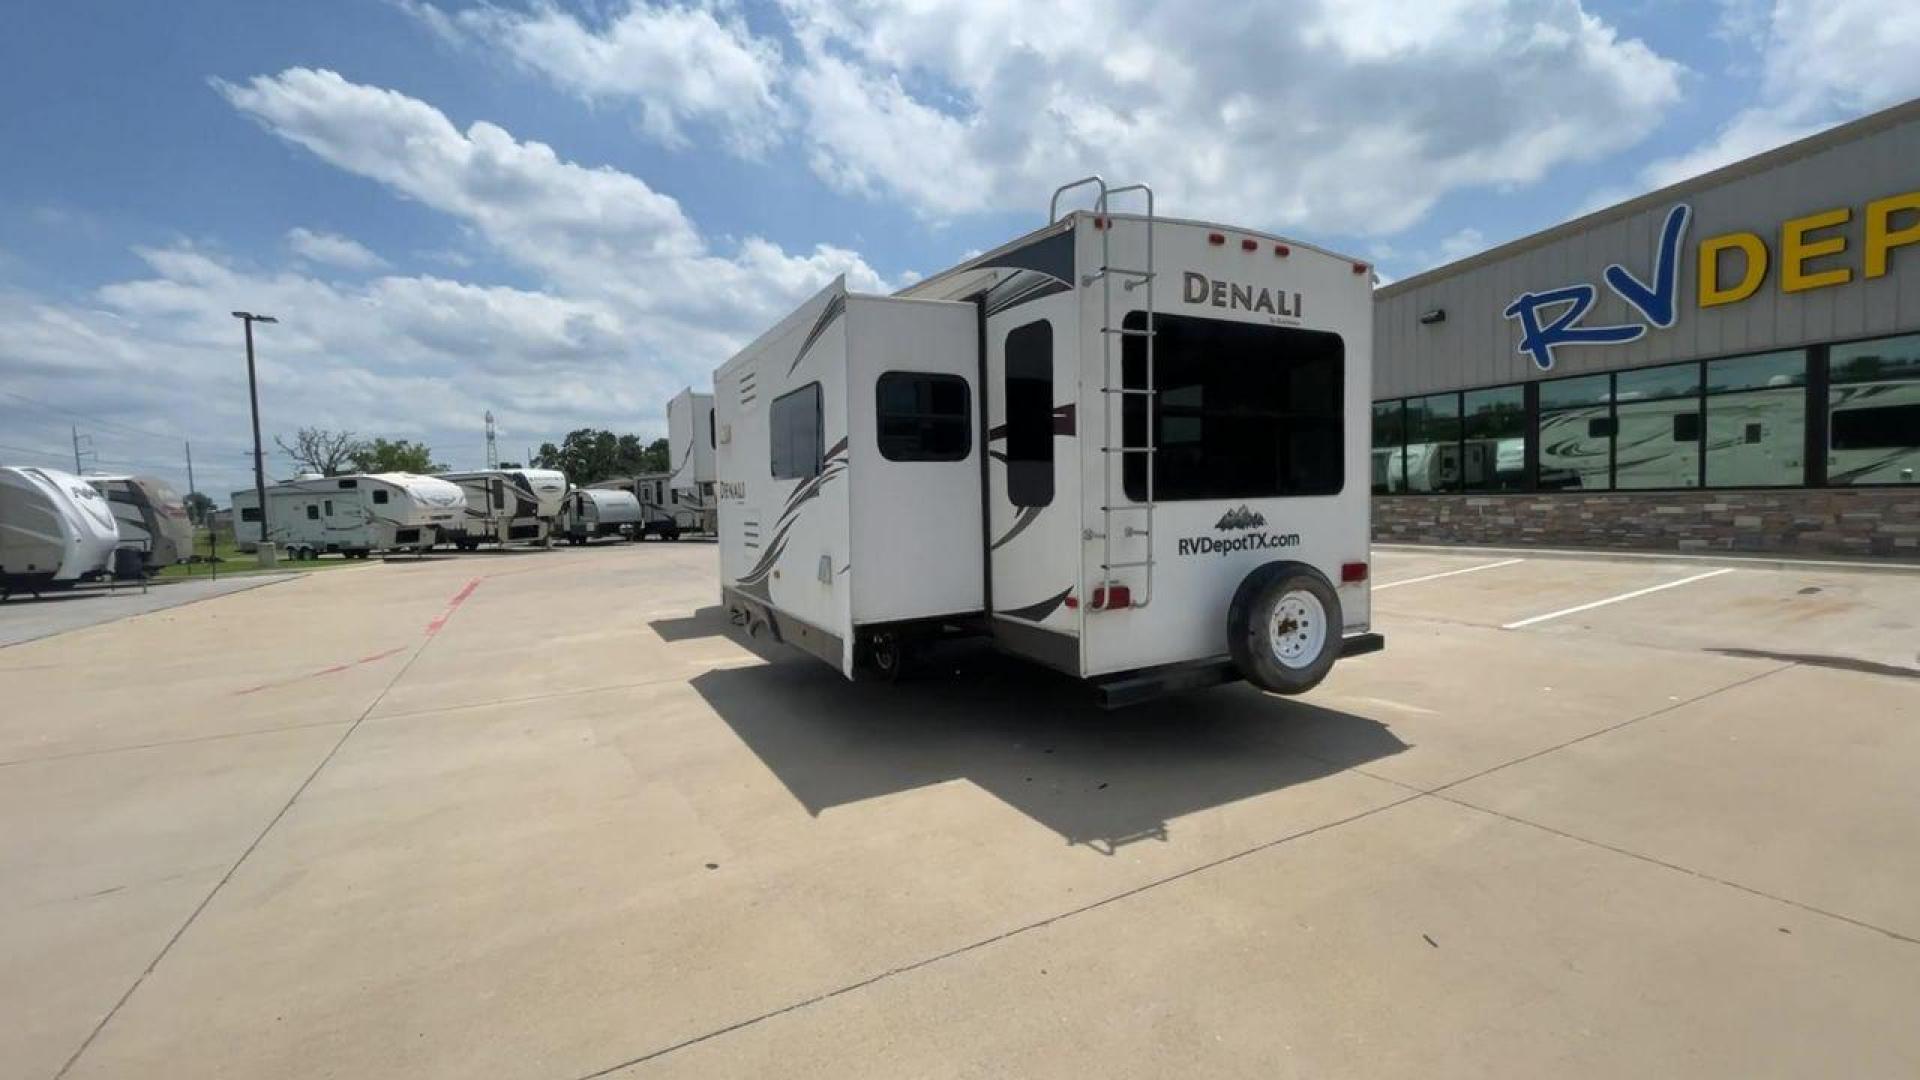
334,670
452,606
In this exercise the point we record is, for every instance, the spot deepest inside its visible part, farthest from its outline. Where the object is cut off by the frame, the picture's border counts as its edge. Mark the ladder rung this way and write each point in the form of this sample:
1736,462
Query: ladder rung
1128,449
1126,332
1144,275
1126,565
1143,508
1125,390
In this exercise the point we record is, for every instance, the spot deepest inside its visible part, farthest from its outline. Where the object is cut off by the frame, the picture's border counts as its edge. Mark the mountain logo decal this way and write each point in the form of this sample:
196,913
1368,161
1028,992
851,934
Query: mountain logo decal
1242,518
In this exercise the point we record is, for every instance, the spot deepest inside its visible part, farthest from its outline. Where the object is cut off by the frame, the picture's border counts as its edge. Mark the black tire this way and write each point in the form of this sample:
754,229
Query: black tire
1281,650
884,656
670,535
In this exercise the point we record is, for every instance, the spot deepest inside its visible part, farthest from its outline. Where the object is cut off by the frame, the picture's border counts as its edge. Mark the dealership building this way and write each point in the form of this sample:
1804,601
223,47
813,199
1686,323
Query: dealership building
1730,363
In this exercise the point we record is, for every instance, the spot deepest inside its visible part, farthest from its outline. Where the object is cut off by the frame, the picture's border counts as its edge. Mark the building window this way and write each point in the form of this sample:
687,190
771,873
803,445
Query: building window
1873,412
380,495
922,417
1756,430
1241,410
795,435
1433,443
1494,451
1389,447
1030,414
1656,427
1575,444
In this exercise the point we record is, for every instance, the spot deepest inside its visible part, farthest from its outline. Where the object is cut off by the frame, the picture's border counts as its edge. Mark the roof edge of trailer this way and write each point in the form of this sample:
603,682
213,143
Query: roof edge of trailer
986,259
1870,124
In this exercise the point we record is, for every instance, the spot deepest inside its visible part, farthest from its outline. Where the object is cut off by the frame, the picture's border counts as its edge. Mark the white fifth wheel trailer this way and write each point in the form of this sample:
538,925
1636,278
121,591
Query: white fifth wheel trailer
1132,449
55,529
502,508
690,457
150,515
355,515
590,513
549,486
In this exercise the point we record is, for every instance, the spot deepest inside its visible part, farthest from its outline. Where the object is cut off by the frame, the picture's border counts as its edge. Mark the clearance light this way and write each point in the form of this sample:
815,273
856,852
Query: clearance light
1216,239
1249,244
1099,222
1109,599
1359,268
1282,250
1353,573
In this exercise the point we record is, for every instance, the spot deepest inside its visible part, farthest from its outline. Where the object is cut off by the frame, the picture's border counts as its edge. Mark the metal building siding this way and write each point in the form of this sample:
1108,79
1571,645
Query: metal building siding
1477,346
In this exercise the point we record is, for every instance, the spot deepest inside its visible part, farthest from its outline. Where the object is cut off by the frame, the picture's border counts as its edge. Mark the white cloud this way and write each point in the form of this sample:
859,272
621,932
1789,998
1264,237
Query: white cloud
332,249
680,64
1821,61
1341,117
1335,115
633,303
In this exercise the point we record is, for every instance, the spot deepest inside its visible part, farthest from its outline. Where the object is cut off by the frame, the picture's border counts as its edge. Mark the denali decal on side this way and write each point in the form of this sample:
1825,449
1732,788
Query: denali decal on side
1209,545
1201,289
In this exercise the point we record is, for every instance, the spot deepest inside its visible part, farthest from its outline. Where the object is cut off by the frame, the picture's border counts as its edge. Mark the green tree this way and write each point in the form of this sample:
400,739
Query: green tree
590,455
199,507
399,455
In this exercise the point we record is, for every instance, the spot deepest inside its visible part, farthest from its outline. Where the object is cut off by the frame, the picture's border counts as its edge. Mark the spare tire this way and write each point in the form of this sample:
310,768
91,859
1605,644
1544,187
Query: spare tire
1283,627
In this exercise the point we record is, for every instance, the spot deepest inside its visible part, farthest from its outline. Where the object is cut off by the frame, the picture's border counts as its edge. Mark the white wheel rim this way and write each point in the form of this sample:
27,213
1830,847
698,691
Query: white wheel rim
1297,629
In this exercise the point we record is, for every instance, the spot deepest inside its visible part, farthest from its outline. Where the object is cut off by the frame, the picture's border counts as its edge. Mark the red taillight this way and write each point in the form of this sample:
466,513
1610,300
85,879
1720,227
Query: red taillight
1359,268
1249,244
1282,250
1112,598
1216,239
1073,601
1353,573
1099,222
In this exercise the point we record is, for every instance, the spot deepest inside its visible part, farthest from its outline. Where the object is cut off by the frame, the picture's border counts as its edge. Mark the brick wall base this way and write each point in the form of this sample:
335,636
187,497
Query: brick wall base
1860,522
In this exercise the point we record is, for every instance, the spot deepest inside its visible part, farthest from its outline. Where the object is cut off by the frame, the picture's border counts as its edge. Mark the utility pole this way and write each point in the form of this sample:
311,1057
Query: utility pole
76,451
191,490
493,449
253,392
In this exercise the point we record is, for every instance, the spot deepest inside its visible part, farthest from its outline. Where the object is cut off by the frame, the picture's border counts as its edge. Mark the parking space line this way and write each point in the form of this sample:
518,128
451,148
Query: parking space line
1448,573
1616,599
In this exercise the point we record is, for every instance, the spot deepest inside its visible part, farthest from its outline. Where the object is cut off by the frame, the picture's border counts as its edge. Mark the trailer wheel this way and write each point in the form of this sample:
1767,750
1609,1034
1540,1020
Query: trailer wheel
1283,627
885,655
670,535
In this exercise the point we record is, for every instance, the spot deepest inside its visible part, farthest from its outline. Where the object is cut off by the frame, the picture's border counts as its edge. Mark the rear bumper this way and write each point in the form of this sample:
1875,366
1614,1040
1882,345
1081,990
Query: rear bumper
1136,687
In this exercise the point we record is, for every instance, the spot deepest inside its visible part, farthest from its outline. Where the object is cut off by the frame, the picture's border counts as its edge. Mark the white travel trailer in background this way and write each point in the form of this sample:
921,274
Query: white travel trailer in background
1134,450
549,486
150,515
355,515
690,458
502,507
662,511
55,529
590,513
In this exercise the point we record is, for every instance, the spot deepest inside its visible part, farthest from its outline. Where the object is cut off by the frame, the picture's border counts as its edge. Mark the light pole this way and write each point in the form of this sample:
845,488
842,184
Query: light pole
253,392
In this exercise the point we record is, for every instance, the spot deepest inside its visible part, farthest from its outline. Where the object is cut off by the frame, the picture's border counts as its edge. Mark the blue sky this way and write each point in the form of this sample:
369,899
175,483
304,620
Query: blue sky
564,213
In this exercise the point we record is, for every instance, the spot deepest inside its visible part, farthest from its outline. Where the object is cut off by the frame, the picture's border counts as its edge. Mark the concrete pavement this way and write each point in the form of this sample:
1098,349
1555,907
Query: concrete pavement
537,816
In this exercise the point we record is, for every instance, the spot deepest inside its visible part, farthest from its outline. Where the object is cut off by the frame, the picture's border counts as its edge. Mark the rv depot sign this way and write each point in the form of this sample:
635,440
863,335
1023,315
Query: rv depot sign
1731,267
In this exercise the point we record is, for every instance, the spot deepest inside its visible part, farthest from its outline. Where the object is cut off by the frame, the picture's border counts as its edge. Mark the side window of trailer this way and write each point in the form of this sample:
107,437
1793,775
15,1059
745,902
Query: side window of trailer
923,417
795,438
1030,414
379,495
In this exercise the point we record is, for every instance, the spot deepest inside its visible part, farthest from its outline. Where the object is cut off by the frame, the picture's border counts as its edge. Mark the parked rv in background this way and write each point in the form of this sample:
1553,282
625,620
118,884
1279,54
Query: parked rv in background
150,516
1134,450
354,515
549,486
591,513
55,529
662,511
690,458
501,508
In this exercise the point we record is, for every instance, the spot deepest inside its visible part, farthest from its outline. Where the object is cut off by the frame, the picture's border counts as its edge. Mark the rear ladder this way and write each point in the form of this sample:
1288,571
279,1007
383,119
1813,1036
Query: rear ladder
1113,394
